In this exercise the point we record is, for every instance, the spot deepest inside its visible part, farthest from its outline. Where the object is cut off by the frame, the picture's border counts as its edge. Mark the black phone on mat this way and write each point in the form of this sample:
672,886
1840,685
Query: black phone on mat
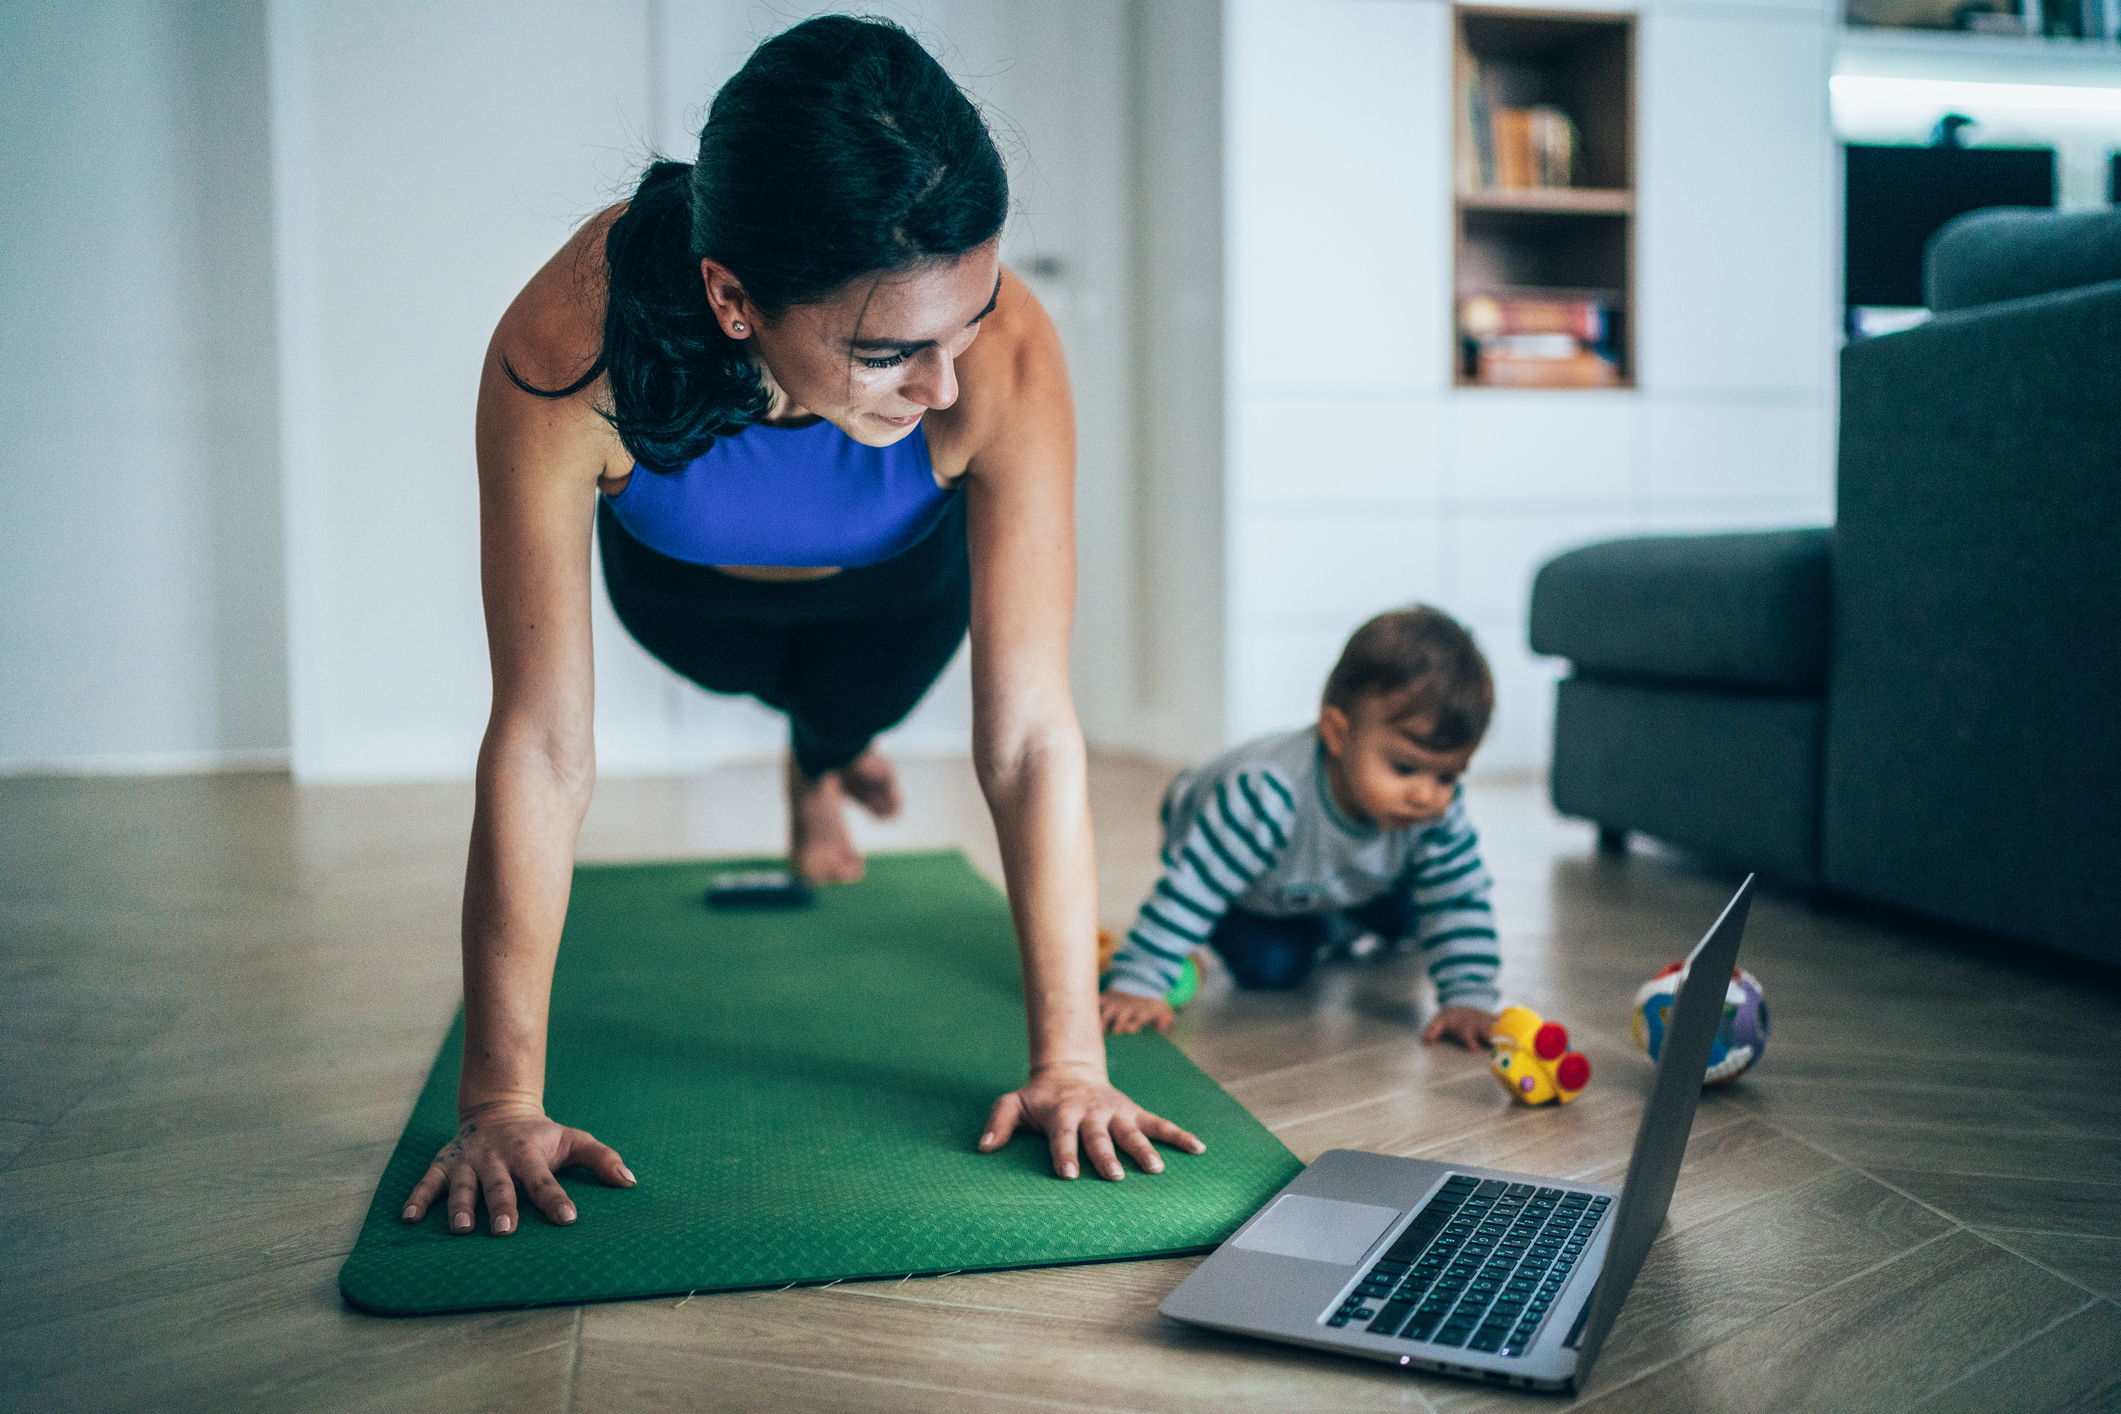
759,888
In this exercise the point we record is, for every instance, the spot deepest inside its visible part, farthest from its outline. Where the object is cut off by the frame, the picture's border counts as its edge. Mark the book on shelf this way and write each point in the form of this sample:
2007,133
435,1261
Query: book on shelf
1502,146
1492,316
1532,341
1582,369
1476,138
2055,19
1534,147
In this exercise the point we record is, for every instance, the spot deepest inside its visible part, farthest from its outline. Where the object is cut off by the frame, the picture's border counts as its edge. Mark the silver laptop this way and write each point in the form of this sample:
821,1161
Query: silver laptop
1509,1278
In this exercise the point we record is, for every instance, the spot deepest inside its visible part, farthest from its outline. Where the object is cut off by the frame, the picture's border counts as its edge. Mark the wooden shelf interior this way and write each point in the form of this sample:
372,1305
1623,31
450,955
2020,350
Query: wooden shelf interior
1582,64
1558,243
1560,200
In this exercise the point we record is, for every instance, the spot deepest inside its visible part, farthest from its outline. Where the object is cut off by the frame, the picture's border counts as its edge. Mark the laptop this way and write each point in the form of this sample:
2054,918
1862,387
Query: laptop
1509,1278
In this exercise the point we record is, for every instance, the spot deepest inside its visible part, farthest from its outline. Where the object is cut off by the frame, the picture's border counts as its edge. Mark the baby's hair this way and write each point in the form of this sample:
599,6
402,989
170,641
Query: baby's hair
1423,666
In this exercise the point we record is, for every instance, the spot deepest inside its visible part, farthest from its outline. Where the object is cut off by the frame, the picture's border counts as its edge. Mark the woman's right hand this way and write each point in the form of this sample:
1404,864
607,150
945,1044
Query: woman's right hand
497,1149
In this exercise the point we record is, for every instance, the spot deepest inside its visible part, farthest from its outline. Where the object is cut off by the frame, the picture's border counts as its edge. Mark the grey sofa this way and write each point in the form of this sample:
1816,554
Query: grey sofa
1920,706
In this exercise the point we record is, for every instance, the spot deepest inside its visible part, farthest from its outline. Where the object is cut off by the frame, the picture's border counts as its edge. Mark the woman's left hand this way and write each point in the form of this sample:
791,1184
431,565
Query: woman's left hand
1072,1106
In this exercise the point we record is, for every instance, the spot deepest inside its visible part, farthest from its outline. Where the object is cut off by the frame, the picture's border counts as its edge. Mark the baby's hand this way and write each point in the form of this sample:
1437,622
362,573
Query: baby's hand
1467,1026
1123,1013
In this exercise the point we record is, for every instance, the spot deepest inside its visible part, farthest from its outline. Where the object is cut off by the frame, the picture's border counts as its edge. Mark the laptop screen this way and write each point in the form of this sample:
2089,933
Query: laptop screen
1660,1141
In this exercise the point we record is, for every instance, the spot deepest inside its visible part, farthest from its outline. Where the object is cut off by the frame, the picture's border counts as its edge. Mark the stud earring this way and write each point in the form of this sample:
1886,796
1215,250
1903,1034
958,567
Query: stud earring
740,326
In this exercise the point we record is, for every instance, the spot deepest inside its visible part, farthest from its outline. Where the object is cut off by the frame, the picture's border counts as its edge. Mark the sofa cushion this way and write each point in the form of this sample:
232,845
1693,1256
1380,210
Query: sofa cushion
1743,611
1732,775
2011,252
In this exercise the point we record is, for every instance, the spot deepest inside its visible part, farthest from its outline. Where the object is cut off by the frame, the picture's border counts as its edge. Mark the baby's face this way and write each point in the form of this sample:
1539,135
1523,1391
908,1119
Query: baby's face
1381,773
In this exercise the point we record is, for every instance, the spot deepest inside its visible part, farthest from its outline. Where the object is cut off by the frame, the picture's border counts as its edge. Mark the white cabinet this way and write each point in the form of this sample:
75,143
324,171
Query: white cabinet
1358,478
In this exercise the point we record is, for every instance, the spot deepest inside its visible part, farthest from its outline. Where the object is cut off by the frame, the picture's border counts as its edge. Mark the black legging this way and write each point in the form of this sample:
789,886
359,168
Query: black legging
846,656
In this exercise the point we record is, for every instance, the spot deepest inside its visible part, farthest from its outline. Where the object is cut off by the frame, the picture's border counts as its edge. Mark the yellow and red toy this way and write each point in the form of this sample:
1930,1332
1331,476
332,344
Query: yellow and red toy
1532,1059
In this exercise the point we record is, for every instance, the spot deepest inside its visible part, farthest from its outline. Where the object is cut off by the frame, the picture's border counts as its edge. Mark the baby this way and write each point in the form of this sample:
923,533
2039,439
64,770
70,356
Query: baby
1284,845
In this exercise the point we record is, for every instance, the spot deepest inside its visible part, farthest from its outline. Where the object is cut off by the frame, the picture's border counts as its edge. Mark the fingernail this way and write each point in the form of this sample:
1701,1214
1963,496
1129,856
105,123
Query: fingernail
1115,1173
627,1174
1067,1170
567,1214
411,1214
460,1223
503,1223
986,1141
1155,1166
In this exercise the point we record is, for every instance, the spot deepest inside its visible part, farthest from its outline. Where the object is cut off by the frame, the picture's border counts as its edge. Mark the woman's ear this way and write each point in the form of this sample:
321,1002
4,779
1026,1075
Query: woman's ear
1334,730
725,296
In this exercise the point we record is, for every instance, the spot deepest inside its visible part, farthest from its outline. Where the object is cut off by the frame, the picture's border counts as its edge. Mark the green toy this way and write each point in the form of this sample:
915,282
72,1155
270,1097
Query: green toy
1181,991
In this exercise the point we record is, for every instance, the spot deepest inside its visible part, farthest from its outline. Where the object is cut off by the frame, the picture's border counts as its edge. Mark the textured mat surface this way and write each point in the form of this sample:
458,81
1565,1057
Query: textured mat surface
799,1094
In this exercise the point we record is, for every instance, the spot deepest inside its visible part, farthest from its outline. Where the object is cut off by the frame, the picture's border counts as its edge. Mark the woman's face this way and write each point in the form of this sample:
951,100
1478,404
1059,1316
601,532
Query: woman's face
877,356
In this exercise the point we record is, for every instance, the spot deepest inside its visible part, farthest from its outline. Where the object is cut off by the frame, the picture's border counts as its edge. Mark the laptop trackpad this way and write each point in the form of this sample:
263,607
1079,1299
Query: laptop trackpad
1320,1229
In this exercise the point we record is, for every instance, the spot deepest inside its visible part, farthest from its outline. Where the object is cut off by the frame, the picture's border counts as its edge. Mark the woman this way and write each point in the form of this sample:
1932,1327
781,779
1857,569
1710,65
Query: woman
821,432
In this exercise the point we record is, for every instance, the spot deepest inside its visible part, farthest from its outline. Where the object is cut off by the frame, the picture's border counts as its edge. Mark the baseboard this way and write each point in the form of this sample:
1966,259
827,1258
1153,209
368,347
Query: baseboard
150,763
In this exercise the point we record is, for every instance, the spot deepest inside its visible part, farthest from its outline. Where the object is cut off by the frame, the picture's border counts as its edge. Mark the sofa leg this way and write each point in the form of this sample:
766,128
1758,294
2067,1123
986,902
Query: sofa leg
1612,840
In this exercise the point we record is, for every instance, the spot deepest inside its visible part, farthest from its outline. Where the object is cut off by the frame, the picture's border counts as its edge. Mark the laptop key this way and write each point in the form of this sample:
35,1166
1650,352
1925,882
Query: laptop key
1391,1318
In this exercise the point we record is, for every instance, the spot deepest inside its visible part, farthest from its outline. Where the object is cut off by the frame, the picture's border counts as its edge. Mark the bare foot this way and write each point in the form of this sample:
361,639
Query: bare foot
819,846
872,783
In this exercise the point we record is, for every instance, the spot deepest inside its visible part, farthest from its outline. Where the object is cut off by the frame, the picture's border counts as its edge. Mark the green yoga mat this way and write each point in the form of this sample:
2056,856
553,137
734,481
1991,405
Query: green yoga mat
799,1094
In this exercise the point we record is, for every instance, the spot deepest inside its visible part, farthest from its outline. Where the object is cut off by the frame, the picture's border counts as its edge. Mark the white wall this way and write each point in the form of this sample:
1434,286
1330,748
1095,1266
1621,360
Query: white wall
429,158
143,625
1180,643
1361,479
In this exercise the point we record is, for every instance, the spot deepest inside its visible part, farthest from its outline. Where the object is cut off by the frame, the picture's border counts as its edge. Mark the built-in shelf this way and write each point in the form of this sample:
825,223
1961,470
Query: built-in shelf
1544,245
1881,52
1567,200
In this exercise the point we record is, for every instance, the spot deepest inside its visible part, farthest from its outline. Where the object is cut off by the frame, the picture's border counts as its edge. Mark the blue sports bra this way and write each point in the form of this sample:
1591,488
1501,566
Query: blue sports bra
787,496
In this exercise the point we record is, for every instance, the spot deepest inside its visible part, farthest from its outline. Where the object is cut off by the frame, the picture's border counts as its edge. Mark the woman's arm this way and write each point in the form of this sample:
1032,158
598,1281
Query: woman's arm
538,467
1027,745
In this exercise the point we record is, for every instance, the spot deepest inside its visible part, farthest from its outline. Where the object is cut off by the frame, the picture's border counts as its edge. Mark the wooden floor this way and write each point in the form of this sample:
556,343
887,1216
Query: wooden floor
221,996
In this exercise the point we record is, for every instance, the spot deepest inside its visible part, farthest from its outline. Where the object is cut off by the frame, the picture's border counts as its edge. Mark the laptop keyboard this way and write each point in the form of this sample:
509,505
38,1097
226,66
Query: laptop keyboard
1479,1266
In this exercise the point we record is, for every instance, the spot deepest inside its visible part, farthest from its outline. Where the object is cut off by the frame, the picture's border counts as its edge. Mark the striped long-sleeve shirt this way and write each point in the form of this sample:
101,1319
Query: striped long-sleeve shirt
1258,828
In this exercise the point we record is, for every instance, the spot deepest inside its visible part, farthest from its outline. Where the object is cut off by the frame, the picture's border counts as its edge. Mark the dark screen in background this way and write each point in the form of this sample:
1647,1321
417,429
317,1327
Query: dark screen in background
1899,196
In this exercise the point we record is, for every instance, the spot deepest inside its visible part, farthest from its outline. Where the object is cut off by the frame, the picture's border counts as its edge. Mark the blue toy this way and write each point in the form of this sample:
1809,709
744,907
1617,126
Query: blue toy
1741,1037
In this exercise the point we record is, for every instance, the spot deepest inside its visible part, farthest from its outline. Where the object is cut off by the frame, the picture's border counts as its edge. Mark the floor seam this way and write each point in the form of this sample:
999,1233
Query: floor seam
1788,1306
1957,1222
574,1361
2059,1320
2093,1292
2044,1232
973,1306
924,1385
1235,1085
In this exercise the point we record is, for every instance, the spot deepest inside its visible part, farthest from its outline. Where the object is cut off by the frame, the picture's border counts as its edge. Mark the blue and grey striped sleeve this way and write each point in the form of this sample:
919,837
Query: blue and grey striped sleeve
1454,923
1241,830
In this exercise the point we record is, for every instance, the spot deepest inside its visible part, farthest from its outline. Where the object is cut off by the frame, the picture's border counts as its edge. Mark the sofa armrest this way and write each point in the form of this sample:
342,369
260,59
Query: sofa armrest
1748,611
1973,764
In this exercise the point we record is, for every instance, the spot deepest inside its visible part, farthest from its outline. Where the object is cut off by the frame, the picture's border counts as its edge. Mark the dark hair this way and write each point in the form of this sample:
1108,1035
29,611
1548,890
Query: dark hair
840,148
1426,667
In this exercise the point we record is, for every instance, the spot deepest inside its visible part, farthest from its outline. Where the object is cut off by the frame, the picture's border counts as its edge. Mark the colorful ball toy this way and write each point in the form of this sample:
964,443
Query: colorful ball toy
1741,1037
1532,1059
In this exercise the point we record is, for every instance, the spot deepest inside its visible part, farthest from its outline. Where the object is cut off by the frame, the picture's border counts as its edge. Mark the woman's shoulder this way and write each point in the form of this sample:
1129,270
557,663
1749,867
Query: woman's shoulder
1013,372
553,331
